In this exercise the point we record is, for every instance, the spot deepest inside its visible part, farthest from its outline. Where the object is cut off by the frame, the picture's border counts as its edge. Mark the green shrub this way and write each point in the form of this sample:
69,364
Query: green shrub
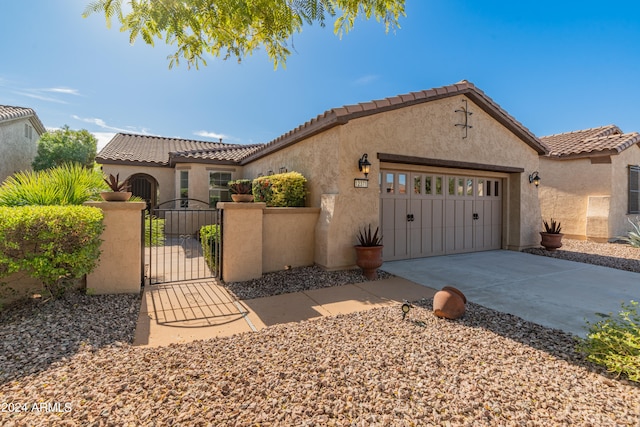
633,237
615,342
280,190
209,238
69,184
53,244
153,236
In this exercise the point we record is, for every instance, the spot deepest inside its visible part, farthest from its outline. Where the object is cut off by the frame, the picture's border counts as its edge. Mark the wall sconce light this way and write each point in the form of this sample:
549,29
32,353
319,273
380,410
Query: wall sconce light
364,165
534,178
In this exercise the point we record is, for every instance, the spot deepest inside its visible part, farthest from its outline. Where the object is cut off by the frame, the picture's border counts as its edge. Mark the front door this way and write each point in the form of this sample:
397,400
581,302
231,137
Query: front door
426,214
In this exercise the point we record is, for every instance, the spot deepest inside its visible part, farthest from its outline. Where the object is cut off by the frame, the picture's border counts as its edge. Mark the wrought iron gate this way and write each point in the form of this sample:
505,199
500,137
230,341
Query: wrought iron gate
182,241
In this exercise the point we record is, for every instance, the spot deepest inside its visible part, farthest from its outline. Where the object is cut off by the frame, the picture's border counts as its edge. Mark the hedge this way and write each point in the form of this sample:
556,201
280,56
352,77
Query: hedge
280,190
209,237
53,244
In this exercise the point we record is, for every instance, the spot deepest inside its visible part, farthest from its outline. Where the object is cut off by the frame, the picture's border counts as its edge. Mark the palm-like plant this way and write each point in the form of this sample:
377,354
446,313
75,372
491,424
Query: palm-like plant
69,184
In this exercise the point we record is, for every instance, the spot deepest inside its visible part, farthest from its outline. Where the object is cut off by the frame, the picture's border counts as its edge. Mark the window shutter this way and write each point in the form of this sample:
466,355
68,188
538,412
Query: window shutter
634,189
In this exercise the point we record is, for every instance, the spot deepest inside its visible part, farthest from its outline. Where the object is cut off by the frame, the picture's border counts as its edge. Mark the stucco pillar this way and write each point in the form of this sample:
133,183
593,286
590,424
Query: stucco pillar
241,241
119,269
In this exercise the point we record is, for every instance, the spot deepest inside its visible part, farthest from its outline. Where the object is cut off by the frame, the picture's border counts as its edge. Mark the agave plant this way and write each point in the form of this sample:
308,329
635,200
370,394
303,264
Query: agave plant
367,238
553,227
114,183
633,237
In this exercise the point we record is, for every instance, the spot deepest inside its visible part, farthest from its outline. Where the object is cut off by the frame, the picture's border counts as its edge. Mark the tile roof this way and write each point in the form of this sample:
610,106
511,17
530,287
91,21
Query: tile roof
160,151
600,141
342,115
8,113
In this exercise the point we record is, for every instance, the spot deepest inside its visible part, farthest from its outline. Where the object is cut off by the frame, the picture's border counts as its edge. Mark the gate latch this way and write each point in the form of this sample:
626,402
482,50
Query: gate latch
410,218
476,216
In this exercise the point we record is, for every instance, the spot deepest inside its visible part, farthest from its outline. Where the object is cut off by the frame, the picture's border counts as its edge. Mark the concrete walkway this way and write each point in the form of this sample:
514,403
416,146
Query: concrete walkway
551,292
548,291
188,311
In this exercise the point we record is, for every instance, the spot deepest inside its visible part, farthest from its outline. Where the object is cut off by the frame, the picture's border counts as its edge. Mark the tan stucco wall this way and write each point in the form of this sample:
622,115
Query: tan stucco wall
618,223
169,178
17,152
241,250
288,237
564,191
330,163
591,200
164,176
119,268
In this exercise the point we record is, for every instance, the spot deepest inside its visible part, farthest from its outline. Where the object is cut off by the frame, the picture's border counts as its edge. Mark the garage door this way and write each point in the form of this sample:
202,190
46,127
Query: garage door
427,214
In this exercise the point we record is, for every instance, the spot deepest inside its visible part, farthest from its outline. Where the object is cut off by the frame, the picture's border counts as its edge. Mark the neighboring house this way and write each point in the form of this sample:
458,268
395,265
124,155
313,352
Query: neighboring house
449,173
20,129
590,182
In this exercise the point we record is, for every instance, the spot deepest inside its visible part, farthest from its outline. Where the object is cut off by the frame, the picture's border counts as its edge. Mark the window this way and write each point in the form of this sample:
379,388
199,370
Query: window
28,131
184,189
218,189
634,189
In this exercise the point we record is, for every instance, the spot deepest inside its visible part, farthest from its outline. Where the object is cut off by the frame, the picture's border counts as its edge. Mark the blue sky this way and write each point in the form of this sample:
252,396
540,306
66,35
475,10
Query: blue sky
555,66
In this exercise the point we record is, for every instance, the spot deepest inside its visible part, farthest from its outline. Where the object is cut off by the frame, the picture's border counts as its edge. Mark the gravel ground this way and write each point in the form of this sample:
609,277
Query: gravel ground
614,255
296,280
69,362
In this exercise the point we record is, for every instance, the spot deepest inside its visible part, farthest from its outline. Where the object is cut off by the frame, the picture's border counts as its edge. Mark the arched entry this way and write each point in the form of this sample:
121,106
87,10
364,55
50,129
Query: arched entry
146,187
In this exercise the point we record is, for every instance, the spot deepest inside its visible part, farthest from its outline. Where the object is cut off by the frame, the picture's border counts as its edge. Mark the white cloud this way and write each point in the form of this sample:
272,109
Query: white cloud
365,80
213,135
63,90
103,125
36,95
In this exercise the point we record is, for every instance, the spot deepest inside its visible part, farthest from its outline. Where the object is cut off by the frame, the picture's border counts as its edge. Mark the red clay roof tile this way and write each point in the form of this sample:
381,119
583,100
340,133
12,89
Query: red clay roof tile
604,140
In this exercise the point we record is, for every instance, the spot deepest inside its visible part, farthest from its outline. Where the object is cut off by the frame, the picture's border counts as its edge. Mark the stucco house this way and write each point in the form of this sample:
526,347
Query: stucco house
20,129
449,173
590,181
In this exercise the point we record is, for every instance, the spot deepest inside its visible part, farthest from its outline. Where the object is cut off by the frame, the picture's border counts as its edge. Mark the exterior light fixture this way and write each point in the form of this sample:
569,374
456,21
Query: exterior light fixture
364,165
534,178
405,309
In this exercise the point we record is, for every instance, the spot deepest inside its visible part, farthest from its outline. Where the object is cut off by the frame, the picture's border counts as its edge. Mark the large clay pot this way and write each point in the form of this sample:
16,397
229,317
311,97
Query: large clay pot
243,198
115,196
369,259
449,303
551,241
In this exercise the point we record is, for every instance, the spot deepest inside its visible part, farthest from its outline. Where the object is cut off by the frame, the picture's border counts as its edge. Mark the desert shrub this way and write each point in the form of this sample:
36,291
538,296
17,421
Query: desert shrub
633,237
153,231
615,342
69,184
53,244
209,237
280,190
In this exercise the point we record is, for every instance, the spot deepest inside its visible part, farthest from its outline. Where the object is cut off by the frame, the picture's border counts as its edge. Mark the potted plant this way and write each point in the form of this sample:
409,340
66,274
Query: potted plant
119,190
369,252
551,236
241,190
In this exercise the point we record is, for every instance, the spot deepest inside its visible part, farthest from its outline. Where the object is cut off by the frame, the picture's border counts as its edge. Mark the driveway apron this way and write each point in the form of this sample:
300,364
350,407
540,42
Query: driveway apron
551,292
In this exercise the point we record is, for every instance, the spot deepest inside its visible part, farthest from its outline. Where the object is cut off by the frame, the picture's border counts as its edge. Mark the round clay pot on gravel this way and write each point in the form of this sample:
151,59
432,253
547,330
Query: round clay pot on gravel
369,259
449,303
551,241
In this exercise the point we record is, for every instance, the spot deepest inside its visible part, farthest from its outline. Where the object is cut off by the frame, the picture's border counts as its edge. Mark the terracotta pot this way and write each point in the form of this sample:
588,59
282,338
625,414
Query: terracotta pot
369,259
551,241
244,198
449,303
115,196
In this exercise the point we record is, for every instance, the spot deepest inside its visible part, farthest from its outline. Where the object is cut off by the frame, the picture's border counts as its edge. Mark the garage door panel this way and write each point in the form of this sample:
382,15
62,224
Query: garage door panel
462,214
